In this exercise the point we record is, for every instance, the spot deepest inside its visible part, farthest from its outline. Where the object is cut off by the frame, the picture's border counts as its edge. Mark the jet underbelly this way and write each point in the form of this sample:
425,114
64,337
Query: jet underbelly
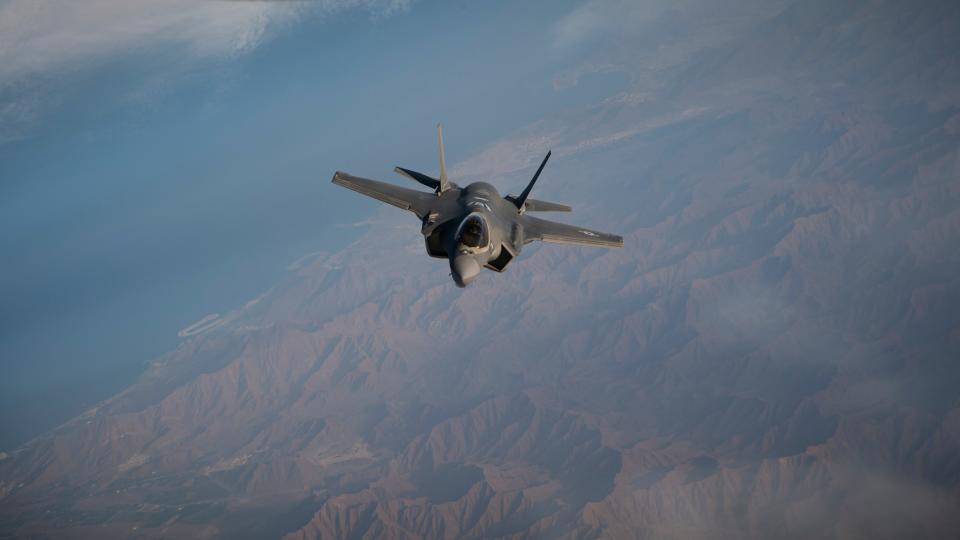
437,241
499,262
435,246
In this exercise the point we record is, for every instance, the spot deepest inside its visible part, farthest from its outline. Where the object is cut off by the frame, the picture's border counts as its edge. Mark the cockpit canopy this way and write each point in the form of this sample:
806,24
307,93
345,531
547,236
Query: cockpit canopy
473,232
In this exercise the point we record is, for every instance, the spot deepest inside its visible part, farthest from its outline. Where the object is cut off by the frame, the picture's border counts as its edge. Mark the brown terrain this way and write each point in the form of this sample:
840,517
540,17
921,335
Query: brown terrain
774,354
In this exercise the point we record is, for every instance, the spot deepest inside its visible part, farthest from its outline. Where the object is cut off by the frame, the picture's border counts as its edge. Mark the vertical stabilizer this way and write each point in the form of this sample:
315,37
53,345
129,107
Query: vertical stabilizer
444,184
519,201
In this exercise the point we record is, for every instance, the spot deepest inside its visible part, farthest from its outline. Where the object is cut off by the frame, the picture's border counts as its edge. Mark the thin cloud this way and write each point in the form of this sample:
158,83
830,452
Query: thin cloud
41,41
599,18
44,36
37,36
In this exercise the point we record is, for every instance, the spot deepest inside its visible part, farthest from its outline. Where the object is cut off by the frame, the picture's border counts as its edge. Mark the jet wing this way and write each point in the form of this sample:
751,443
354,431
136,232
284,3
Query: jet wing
417,202
561,233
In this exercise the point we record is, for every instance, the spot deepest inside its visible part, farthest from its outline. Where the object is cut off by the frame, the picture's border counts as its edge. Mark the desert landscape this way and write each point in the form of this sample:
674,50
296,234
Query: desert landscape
773,354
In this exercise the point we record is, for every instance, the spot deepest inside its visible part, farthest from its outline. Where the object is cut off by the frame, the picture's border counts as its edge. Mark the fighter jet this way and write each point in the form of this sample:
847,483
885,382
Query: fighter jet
474,227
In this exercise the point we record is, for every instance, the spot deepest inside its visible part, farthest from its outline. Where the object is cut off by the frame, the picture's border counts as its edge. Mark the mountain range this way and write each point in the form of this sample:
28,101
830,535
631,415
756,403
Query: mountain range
774,353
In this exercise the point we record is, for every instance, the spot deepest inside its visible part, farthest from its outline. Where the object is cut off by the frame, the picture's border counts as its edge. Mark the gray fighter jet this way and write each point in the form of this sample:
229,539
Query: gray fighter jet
473,226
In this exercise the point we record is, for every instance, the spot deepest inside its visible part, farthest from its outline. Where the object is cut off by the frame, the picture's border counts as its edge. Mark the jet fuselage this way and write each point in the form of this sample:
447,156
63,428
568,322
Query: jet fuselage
481,233
474,227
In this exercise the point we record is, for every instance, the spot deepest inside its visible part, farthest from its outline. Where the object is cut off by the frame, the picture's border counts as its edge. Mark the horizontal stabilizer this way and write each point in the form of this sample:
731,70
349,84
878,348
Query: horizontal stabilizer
428,181
535,205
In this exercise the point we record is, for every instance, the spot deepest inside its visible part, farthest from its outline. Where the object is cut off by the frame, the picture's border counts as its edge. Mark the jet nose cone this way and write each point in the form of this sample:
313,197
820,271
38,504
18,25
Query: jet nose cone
464,268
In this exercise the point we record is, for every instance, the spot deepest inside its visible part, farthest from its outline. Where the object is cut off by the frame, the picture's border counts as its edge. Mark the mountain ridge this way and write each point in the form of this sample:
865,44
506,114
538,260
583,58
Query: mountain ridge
771,354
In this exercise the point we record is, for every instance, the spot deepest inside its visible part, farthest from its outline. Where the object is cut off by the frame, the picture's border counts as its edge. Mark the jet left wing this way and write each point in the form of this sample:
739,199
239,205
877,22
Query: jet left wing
417,202
561,233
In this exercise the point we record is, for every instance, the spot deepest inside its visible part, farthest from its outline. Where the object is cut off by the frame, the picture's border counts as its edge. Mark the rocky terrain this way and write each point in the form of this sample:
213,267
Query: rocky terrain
774,353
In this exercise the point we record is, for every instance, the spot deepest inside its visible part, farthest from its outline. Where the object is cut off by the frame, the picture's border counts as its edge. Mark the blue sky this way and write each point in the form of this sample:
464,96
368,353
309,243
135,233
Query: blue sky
156,167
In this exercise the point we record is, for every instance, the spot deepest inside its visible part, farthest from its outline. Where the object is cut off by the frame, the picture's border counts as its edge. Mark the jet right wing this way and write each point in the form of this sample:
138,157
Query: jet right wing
561,233
417,202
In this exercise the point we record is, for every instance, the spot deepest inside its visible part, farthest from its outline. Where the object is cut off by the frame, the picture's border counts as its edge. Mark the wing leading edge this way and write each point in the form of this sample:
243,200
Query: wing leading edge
417,202
561,233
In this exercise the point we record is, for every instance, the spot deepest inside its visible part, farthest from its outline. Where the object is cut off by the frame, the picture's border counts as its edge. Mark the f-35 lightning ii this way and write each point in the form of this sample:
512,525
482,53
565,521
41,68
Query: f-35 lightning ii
473,226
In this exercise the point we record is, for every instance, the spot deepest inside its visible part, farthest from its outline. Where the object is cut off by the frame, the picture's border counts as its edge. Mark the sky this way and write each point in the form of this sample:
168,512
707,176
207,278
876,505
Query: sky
161,162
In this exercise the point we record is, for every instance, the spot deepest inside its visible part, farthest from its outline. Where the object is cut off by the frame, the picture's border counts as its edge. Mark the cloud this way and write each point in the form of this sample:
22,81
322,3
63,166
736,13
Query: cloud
599,18
41,41
637,18
524,150
37,36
